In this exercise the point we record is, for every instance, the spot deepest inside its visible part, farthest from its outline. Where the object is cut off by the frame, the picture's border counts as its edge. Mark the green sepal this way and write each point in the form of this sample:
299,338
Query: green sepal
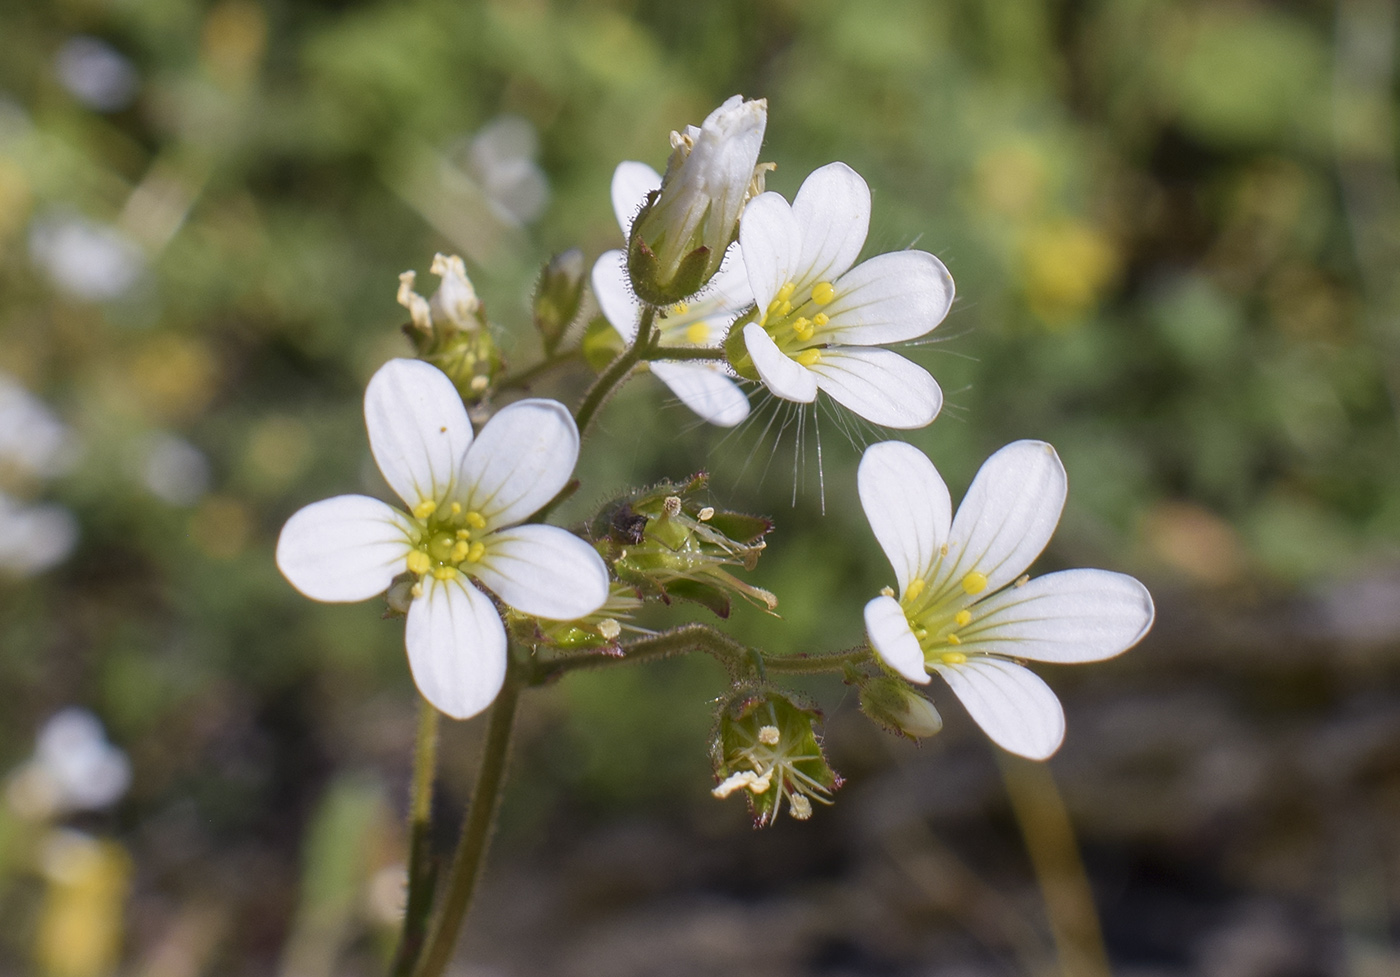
736,351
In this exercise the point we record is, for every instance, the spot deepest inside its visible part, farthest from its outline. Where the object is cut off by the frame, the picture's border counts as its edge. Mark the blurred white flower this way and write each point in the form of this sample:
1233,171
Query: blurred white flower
34,538
821,320
501,159
173,470
74,768
85,259
467,495
96,74
964,609
32,438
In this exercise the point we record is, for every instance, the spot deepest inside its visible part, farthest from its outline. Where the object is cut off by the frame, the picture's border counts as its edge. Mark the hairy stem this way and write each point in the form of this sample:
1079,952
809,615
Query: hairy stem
476,833
616,373
422,867
525,377
684,353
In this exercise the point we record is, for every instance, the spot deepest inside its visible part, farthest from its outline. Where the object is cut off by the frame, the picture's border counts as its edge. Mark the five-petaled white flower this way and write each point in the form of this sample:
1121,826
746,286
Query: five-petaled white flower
964,609
466,497
701,385
820,317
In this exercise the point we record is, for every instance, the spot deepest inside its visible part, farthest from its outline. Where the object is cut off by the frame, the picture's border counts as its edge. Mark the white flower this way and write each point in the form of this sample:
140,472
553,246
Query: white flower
965,611
34,538
712,172
454,304
87,260
820,317
701,385
501,157
74,768
466,497
32,438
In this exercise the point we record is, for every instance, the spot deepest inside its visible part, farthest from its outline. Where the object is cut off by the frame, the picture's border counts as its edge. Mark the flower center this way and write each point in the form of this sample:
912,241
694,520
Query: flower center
793,321
446,543
937,624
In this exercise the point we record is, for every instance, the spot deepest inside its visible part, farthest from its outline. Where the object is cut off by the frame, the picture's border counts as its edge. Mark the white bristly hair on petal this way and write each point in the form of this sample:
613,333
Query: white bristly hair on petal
965,611
823,320
703,386
466,496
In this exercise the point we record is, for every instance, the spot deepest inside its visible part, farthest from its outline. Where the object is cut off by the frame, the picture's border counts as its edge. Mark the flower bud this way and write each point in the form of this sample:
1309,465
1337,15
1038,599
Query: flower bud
449,330
557,296
893,705
678,239
766,746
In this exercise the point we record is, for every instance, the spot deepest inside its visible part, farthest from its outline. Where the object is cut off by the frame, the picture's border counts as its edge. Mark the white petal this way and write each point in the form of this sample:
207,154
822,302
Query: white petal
784,376
1007,517
614,294
1071,616
456,646
631,183
522,458
832,210
889,634
418,429
705,389
879,385
889,299
771,245
1011,704
544,571
907,505
344,549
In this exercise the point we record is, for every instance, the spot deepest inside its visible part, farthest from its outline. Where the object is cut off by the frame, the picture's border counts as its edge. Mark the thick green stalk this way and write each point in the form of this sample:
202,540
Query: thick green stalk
422,867
617,371
476,833
684,353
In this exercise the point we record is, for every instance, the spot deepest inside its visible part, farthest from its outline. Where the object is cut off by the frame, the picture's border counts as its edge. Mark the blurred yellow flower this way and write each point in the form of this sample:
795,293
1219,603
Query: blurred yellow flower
1065,267
80,924
173,378
1010,180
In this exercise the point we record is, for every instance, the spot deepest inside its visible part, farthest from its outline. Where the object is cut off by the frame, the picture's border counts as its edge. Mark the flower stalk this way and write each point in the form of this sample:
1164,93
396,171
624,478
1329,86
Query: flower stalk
422,867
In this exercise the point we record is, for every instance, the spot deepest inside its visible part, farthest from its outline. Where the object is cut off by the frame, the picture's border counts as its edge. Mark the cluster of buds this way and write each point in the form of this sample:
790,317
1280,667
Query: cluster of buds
678,239
766,747
449,330
668,546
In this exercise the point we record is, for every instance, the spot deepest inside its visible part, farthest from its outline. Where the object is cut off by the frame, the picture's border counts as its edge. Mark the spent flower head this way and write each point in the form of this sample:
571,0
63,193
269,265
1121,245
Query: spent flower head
449,330
766,747
964,609
677,240
467,495
820,322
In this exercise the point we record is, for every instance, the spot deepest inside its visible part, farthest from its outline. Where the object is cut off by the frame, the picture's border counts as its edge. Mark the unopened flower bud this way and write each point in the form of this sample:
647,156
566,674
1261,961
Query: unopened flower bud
678,240
893,705
449,331
557,296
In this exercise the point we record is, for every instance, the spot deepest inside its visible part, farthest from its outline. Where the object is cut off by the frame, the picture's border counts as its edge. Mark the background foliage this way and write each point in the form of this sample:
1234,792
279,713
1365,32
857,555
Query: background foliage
1173,231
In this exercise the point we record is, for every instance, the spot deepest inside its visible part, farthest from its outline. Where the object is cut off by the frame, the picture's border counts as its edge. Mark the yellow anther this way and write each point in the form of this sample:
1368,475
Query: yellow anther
786,291
823,292
785,308
417,589
773,308
706,514
418,562
963,618
456,508
953,639
769,735
476,552
820,319
886,591
954,658
475,520
680,308
799,807
809,357
915,588
921,633
1024,579
803,328
460,549
974,582
464,534
697,332
424,509
445,573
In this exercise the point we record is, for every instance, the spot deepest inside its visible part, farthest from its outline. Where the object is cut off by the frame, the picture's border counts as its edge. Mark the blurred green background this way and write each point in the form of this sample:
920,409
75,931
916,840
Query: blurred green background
1175,232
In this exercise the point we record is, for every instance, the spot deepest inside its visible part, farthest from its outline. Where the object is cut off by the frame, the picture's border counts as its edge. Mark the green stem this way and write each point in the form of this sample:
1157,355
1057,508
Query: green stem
811,664
684,353
528,376
476,833
617,371
422,867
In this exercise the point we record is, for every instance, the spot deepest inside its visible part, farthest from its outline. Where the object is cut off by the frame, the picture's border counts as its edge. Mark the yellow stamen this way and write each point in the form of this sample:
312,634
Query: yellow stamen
418,562
680,308
963,618
697,332
803,328
820,319
424,509
915,588
456,508
823,292
445,573
785,308
464,534
773,307
953,639
974,582
475,520
954,658
809,357
477,551
460,549
786,291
